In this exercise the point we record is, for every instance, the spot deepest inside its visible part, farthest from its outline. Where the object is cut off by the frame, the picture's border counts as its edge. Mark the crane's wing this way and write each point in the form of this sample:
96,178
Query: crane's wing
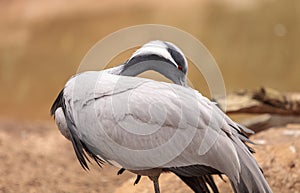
142,124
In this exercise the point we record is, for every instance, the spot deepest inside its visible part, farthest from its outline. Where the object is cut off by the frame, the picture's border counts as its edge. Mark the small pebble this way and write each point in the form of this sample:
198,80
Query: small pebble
292,149
260,141
295,133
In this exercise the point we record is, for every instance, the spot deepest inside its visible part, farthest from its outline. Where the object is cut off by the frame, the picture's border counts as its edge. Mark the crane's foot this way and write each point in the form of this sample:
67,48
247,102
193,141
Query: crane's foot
121,171
138,177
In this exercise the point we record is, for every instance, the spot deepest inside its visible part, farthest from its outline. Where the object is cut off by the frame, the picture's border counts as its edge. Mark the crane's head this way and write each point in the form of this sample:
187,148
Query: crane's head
163,57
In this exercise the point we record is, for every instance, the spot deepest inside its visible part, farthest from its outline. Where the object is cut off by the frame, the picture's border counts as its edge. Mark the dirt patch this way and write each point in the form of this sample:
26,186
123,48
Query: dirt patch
35,157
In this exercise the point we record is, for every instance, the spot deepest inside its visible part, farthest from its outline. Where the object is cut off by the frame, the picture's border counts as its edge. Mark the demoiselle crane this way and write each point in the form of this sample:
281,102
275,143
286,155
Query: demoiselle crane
92,111
155,55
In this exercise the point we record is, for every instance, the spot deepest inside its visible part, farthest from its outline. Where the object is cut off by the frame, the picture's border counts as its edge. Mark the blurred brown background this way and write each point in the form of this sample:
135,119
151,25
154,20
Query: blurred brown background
255,42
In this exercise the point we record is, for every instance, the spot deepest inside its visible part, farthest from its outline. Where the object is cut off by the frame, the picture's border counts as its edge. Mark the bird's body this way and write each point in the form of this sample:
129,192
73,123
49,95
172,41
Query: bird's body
182,131
150,127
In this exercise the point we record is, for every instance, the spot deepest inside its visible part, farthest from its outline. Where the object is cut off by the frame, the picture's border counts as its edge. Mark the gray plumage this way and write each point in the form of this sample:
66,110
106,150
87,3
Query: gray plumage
104,114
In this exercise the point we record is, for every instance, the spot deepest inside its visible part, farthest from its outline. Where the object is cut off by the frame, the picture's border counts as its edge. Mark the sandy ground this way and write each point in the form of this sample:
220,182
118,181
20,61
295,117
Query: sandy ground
34,157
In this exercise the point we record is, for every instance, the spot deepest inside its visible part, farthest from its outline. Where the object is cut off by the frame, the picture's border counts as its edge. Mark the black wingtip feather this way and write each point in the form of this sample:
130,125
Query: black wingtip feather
59,102
210,181
98,160
199,183
79,146
197,177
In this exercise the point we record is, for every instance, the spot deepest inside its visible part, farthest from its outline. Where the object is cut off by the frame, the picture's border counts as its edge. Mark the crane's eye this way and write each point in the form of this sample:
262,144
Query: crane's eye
180,68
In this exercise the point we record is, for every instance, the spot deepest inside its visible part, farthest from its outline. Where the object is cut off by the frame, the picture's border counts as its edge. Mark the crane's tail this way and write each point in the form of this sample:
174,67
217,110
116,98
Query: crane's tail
199,184
251,179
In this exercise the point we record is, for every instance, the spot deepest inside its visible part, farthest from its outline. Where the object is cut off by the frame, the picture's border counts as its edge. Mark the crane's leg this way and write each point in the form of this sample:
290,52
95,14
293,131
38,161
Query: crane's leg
156,186
155,183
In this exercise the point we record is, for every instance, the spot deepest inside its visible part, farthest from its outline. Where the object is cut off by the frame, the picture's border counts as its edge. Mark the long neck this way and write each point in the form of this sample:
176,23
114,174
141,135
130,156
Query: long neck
115,70
164,68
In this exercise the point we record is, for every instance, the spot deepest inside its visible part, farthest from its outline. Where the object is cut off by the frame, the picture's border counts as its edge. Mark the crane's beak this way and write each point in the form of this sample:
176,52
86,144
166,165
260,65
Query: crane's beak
183,82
